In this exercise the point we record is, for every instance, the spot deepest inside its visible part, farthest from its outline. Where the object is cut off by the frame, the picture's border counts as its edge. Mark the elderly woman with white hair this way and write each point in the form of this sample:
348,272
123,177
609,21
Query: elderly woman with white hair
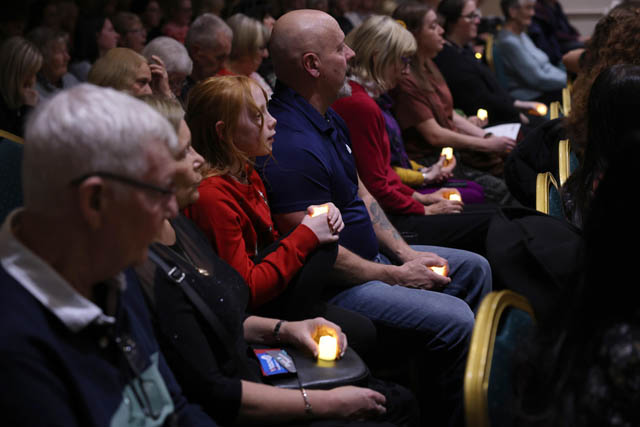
427,216
248,49
54,75
175,57
528,73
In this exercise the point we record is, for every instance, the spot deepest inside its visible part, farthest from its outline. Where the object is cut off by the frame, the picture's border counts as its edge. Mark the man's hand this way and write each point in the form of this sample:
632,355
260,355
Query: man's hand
417,274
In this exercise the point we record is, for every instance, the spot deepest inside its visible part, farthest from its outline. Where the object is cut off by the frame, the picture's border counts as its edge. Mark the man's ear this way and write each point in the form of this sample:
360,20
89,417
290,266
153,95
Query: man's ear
90,201
311,63
194,51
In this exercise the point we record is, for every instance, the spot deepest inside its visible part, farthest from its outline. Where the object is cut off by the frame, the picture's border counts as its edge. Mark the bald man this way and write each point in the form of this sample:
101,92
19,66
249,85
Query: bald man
313,165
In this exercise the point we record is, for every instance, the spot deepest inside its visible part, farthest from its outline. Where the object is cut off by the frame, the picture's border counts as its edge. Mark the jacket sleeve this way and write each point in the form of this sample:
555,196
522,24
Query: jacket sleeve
367,128
532,65
222,220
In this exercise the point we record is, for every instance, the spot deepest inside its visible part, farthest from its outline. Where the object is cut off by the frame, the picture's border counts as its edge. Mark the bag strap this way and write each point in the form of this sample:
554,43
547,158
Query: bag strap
177,276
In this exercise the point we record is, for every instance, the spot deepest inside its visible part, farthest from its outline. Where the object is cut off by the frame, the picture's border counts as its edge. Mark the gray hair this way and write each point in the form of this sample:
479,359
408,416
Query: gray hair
88,129
204,31
173,53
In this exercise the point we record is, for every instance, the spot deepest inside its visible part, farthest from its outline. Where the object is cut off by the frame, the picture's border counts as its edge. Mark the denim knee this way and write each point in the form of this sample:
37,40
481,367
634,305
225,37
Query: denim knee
456,332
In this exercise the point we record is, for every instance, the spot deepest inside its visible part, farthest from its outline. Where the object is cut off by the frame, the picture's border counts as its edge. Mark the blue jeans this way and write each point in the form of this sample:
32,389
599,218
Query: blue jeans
441,321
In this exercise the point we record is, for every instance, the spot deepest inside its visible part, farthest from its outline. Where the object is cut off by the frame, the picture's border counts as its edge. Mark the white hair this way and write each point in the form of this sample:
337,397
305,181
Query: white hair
173,53
88,129
204,31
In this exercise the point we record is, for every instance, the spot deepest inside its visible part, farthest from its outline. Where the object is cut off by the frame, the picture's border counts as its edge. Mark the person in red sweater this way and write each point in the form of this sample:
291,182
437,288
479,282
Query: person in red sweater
425,218
231,126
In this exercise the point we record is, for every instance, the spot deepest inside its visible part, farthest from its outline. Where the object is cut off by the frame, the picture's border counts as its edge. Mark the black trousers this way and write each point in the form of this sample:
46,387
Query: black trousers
303,299
466,230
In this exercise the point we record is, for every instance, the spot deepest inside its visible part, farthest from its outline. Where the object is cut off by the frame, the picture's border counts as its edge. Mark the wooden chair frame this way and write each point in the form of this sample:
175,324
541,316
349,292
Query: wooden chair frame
543,180
478,368
11,137
564,161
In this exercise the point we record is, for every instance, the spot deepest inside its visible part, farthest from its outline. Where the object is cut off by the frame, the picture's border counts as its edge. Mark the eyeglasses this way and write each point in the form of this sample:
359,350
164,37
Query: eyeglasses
476,14
125,180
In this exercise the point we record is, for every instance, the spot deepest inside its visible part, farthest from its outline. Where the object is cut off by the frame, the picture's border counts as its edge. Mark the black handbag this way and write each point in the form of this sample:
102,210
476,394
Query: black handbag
348,370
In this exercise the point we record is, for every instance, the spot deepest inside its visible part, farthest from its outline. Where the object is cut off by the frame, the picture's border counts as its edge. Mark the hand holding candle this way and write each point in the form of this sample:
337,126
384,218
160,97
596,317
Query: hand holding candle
327,348
442,271
319,210
447,153
540,109
325,221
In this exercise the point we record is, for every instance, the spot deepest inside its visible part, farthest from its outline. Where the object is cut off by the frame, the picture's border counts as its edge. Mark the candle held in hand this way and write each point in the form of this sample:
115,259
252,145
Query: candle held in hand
447,152
439,270
320,210
482,114
542,109
327,348
455,196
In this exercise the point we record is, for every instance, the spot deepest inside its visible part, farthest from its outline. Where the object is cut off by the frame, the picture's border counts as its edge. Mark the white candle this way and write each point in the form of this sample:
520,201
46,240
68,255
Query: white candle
541,109
447,152
319,210
439,270
482,114
327,348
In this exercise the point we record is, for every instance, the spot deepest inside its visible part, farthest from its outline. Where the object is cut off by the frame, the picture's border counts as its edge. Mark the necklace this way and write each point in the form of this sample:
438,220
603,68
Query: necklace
182,253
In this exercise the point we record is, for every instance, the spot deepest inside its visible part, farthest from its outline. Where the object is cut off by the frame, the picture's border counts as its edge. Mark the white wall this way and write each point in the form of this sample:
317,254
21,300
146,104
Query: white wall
583,14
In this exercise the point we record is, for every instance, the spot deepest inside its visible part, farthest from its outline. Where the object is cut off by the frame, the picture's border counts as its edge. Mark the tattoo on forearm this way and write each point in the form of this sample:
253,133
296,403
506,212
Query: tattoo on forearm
379,218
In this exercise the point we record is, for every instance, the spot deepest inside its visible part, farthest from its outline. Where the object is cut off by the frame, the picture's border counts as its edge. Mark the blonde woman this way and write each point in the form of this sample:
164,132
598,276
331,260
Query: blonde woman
21,60
124,69
427,217
248,49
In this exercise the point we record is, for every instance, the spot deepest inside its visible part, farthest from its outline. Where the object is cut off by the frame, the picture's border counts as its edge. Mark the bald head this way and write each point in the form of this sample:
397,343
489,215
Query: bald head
294,34
310,56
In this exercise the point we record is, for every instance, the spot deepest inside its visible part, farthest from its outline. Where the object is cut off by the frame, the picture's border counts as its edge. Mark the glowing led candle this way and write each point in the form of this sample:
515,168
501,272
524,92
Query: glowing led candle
455,196
327,348
541,109
478,55
447,152
482,114
439,270
320,210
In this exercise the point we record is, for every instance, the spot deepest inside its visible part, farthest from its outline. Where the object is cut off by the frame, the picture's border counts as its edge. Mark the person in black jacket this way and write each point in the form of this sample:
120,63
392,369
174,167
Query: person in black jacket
212,366
473,85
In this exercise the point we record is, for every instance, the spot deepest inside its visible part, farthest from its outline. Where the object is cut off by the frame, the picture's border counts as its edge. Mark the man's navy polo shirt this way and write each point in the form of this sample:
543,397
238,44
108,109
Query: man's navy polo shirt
312,164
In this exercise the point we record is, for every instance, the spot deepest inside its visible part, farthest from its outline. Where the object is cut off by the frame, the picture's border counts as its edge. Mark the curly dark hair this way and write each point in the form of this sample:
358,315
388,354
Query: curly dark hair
615,40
